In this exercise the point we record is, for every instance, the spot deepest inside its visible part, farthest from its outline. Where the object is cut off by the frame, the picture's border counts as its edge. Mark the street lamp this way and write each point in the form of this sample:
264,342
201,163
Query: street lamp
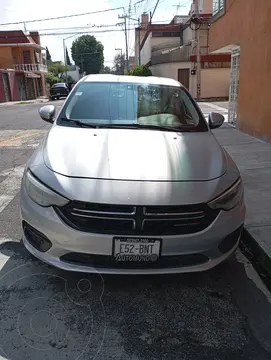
64,49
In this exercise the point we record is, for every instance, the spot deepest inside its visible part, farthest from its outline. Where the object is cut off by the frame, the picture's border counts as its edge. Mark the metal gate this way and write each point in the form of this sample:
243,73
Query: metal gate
234,85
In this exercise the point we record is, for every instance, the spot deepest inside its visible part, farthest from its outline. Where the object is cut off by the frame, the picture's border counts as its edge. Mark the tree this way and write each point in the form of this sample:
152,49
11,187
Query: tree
56,72
57,68
140,70
106,70
87,53
48,55
68,61
119,64
51,79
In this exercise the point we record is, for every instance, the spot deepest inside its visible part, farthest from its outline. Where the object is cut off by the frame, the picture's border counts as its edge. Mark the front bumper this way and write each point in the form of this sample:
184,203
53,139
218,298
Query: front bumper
67,240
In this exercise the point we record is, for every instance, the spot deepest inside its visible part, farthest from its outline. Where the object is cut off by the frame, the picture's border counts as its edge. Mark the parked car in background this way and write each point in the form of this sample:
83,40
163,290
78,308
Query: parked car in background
128,185
59,90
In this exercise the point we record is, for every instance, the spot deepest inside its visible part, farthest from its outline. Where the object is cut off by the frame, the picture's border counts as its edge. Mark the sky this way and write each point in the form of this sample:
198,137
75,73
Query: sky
18,10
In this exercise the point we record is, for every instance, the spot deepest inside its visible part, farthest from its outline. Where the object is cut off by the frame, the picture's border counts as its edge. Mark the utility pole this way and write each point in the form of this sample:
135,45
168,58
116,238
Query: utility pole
198,52
177,8
126,43
124,17
157,2
64,49
139,33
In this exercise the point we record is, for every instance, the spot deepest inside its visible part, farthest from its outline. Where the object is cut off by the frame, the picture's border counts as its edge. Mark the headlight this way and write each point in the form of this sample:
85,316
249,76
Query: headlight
41,194
230,198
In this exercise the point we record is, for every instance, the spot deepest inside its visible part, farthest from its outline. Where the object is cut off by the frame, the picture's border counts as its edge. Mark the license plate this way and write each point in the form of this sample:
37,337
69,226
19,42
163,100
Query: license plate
136,249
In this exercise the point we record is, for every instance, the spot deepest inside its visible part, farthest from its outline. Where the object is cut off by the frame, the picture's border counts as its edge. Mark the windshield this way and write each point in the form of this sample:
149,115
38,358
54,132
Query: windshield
58,85
105,104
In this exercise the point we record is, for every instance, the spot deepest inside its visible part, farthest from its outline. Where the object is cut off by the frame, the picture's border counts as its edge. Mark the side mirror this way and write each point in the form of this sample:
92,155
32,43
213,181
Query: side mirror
47,113
215,120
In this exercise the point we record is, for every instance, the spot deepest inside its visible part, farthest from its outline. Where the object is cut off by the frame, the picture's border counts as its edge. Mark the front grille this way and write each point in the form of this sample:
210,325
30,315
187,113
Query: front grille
137,220
107,261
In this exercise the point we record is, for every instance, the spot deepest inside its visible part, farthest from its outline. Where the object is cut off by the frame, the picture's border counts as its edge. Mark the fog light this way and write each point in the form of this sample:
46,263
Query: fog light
36,239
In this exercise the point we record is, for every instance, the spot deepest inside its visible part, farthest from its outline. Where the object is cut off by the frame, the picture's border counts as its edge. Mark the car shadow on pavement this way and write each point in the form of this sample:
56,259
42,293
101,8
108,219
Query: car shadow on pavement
47,313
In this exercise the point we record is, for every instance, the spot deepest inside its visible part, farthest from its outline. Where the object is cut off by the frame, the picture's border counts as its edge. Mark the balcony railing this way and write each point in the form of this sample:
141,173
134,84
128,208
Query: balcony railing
38,68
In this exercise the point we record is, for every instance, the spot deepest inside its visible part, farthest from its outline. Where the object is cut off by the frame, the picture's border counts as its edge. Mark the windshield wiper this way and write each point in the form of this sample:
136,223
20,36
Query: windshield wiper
79,123
183,127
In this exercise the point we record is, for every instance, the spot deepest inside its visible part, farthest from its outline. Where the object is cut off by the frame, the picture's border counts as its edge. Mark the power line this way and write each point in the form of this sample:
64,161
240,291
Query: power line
77,28
61,17
75,32
66,33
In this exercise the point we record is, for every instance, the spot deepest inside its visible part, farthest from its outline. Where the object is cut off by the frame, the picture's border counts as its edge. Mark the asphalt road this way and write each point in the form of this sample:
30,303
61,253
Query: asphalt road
46,313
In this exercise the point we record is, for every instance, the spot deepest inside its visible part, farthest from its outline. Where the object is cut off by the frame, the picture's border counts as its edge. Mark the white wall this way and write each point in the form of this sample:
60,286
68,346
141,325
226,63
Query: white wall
74,74
145,53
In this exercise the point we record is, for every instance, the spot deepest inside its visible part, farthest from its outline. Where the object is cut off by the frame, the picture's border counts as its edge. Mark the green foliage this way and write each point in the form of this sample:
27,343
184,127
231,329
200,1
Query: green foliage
140,70
57,68
51,79
87,53
68,79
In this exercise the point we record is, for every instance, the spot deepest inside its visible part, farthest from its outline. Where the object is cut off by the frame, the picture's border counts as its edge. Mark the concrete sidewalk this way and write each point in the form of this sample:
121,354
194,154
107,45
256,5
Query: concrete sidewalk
34,101
253,157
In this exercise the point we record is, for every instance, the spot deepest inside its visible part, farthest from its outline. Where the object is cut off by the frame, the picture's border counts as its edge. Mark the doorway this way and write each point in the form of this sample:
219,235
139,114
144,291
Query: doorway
183,77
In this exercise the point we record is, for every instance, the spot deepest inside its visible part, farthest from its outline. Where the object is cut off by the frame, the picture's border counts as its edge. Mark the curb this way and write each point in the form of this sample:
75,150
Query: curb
257,256
11,103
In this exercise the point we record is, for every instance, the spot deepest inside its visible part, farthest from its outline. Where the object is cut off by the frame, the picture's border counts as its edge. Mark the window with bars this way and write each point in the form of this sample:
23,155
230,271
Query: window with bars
218,6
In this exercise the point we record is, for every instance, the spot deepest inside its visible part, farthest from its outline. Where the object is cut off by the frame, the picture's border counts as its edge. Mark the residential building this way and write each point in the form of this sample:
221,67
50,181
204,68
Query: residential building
170,51
22,66
243,28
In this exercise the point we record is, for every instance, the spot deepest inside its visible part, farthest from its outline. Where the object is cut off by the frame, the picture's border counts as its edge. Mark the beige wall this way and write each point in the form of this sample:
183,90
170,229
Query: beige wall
205,6
215,83
6,60
169,70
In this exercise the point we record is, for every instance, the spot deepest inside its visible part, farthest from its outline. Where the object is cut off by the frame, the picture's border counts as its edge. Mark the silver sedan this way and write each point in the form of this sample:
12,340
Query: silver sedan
130,179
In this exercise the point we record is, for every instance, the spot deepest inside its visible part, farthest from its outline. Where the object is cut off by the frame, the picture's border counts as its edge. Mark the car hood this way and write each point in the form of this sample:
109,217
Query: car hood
139,155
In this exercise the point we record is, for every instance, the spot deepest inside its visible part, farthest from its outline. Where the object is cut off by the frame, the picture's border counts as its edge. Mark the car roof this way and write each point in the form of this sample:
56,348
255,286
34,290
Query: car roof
152,80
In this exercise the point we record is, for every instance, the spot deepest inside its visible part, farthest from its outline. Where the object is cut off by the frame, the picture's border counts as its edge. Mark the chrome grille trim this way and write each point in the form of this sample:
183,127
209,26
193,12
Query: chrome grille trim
196,213
136,220
106,212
